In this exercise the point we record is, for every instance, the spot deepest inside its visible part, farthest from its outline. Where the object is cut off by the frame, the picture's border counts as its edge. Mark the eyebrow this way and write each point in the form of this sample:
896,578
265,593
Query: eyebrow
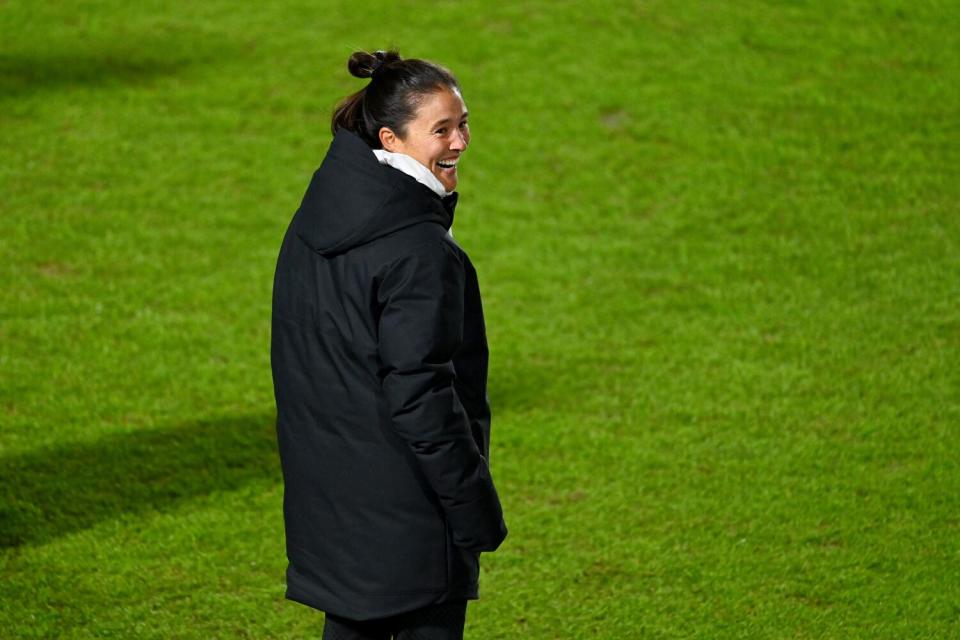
446,120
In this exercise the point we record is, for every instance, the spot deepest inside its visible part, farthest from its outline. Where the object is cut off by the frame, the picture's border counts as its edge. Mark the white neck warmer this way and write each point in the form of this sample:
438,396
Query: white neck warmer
412,168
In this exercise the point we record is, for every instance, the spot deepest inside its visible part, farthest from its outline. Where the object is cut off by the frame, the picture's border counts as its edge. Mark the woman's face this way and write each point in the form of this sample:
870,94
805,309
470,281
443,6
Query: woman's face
436,136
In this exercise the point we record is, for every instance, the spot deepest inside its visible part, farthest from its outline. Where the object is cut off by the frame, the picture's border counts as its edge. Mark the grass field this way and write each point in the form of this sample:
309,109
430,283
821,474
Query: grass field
719,248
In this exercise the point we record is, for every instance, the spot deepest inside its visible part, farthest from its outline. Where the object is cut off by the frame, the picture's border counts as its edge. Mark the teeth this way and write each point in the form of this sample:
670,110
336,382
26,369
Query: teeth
447,163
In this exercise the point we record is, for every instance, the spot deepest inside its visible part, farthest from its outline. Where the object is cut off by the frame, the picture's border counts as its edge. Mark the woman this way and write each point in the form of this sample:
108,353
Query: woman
379,361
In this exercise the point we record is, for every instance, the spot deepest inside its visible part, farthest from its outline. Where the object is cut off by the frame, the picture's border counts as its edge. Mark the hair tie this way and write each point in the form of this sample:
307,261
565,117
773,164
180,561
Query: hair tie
379,59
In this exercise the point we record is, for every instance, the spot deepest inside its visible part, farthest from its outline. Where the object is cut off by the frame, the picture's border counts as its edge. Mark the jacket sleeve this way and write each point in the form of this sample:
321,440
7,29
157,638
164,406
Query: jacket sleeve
421,298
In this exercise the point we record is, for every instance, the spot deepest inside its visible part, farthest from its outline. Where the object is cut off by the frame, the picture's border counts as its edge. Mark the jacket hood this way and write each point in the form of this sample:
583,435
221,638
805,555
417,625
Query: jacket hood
353,199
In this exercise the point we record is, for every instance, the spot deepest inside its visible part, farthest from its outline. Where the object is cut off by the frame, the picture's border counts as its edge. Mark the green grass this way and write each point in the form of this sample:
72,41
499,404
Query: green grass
719,247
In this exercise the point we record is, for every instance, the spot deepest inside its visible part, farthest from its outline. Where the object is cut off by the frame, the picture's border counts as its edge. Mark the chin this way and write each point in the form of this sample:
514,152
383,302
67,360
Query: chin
449,185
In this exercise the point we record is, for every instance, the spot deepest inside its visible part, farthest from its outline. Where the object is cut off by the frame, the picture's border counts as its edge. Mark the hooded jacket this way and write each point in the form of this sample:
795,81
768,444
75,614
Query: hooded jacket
379,359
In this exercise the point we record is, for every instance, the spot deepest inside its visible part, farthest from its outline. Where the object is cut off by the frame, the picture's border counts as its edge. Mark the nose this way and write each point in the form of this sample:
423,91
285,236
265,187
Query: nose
459,142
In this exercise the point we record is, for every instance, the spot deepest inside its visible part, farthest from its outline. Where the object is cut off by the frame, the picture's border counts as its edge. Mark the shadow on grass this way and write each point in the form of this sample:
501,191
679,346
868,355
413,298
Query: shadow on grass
21,75
46,494
126,63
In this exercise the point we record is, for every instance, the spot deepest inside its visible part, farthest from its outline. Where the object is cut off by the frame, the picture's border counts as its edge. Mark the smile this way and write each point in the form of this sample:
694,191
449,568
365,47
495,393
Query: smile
447,164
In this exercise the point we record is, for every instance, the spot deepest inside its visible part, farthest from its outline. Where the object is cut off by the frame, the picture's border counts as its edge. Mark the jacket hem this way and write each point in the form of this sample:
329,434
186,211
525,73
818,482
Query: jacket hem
366,606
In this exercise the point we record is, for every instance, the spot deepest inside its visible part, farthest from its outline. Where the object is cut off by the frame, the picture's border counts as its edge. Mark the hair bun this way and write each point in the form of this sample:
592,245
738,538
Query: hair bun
363,65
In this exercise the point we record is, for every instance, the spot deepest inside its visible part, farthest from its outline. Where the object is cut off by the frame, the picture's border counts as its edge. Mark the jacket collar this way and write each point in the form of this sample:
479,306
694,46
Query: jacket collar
352,199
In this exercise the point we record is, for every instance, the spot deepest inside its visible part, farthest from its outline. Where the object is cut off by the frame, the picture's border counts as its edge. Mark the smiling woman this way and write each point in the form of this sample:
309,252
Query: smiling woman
379,359
436,137
412,107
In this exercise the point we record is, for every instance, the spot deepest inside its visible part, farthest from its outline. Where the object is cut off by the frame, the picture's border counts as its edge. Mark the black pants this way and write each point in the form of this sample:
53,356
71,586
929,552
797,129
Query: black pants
436,622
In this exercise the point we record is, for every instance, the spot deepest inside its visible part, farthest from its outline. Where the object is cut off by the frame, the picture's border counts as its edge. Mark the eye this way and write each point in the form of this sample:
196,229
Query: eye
464,124
441,131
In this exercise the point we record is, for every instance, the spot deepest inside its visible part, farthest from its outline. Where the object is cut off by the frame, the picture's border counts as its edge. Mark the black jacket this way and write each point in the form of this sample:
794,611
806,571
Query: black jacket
379,360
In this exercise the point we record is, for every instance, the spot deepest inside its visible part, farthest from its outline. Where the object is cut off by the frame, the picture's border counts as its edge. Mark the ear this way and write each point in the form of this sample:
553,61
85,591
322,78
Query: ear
389,140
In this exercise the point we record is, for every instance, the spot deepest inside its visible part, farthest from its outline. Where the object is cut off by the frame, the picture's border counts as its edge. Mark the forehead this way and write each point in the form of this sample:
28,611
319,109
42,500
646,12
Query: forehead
441,105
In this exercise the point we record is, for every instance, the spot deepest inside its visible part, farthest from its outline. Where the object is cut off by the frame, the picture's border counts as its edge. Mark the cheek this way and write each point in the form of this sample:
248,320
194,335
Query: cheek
423,153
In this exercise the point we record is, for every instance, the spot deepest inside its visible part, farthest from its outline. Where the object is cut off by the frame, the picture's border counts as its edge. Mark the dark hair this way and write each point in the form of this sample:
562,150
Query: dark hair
396,89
